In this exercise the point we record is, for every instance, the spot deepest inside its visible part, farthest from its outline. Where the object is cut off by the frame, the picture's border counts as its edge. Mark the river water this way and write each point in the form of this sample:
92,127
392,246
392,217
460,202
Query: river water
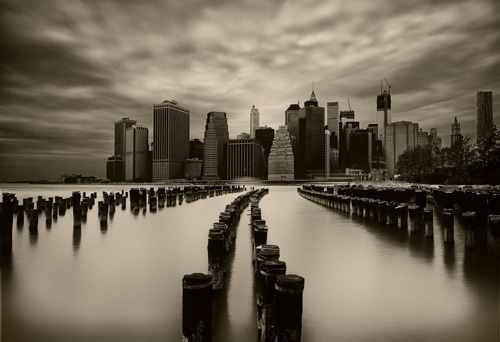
363,281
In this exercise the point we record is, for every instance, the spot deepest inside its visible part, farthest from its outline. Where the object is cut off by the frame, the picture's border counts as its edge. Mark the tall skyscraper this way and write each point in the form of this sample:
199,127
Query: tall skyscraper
171,140
332,119
120,129
312,137
383,114
484,110
215,144
254,121
400,136
265,136
280,161
455,132
294,124
244,158
136,154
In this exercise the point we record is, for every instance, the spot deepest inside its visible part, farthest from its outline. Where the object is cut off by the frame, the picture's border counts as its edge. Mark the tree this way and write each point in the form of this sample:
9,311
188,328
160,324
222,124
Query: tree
456,163
487,163
417,164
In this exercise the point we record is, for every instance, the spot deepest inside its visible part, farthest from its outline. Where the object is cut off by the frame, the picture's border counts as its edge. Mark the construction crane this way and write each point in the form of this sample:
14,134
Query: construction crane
349,103
388,84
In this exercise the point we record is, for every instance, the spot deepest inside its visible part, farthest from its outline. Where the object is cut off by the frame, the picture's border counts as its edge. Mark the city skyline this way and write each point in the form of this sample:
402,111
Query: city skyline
70,70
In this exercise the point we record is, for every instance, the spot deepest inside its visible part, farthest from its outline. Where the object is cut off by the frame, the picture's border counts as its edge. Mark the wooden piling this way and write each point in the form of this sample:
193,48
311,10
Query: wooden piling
402,214
470,228
493,237
6,220
412,211
33,219
289,292
266,309
77,215
216,257
20,216
197,293
448,225
429,223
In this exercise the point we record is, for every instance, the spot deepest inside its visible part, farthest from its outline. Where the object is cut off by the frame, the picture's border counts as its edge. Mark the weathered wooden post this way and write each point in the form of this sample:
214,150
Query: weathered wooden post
289,291
259,234
412,210
265,253
85,209
448,225
494,234
266,309
429,223
103,213
470,228
33,225
382,212
20,215
6,220
402,214
216,257
77,216
197,295
392,218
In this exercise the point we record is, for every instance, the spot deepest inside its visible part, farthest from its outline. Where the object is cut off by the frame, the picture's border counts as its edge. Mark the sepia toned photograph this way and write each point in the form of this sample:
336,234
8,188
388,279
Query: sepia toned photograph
264,171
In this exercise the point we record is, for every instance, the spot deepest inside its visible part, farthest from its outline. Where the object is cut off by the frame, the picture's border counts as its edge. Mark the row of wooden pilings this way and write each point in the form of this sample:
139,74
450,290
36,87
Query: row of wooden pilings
279,295
395,207
197,288
79,203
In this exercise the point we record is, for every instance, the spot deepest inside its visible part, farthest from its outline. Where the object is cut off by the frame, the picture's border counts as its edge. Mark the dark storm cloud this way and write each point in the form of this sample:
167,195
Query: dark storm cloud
70,69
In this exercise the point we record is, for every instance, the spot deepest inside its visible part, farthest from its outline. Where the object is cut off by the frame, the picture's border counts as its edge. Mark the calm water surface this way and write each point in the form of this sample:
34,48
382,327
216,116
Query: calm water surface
364,281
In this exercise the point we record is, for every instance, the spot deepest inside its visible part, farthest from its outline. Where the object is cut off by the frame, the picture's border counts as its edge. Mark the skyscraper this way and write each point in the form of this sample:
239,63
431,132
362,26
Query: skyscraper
171,140
215,144
254,121
294,124
484,110
136,154
280,161
120,128
244,158
383,114
332,119
400,136
313,139
455,132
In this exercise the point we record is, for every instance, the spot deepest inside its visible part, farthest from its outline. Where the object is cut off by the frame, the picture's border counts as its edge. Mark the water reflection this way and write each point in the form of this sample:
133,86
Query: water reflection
77,237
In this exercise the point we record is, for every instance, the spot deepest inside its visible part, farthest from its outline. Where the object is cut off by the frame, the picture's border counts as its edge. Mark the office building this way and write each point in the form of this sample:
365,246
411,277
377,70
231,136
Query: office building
115,169
254,121
244,159
383,114
171,140
136,154
435,140
400,136
215,144
361,150
312,138
332,120
265,135
193,168
281,160
196,149
121,127
455,132
344,143
423,138
484,111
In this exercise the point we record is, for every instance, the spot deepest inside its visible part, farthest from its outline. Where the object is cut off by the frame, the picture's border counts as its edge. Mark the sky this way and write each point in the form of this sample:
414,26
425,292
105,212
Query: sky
70,69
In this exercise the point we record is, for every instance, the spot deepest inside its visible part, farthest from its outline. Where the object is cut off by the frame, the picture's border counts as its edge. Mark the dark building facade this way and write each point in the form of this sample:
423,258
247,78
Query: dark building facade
115,169
484,110
244,159
215,145
196,149
171,140
361,150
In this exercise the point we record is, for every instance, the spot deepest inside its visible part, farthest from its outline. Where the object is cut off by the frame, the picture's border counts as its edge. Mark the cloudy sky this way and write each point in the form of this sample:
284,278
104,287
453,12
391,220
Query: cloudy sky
70,69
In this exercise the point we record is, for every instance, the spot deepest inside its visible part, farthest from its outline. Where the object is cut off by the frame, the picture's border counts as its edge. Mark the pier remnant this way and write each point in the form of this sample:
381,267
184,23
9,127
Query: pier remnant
289,292
197,295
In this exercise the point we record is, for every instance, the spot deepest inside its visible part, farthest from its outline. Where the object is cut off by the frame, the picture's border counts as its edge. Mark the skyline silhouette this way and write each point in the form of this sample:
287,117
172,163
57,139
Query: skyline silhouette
71,70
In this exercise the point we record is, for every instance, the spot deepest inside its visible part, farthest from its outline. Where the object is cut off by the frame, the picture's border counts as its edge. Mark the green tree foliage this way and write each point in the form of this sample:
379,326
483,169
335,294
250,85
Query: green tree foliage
462,163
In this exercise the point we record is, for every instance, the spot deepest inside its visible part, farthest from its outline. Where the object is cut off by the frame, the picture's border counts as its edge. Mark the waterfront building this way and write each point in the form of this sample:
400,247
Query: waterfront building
423,138
121,127
265,135
361,150
281,159
435,140
484,112
254,121
400,136
295,124
327,153
171,140
196,149
115,169
344,143
215,144
136,154
455,132
244,158
332,121
193,168
312,138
